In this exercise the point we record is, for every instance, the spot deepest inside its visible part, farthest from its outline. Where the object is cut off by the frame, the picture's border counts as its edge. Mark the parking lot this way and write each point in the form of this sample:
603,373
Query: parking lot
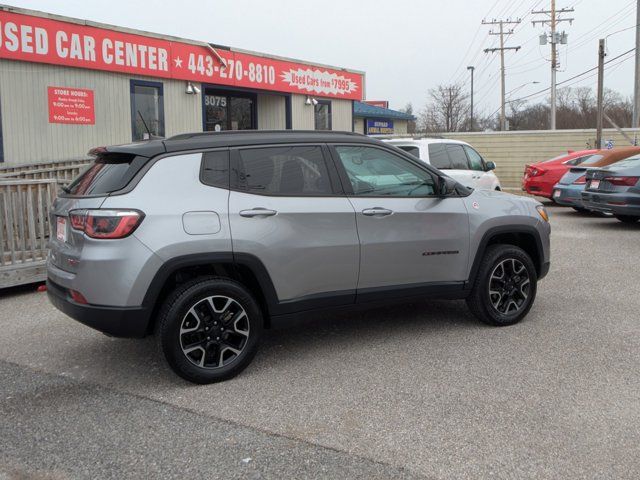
419,390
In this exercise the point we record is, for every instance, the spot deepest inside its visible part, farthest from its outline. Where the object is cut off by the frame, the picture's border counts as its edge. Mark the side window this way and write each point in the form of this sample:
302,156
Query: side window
322,115
475,160
376,172
147,109
215,169
293,171
415,151
438,156
458,158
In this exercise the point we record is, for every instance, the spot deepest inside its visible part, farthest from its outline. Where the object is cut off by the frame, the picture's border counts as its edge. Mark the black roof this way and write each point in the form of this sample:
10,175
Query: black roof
203,140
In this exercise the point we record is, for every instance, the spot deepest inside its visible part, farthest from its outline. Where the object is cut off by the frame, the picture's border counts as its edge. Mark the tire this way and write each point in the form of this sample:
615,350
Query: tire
497,309
627,218
579,209
209,329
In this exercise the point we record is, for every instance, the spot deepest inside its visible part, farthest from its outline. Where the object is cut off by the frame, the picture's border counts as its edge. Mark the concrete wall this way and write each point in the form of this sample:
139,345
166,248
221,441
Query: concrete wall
29,137
511,151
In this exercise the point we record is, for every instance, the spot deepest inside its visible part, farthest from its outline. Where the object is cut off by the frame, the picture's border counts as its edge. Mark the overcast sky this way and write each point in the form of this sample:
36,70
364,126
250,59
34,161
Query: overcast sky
405,47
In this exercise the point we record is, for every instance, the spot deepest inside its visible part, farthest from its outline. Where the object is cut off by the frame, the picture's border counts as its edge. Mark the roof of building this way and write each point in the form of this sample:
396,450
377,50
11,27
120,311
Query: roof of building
361,109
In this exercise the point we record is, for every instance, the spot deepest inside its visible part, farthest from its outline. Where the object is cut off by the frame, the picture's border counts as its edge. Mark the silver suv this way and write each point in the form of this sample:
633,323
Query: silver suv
208,238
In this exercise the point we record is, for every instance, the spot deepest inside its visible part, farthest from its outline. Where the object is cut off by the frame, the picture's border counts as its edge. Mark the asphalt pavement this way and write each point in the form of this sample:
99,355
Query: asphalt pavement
413,391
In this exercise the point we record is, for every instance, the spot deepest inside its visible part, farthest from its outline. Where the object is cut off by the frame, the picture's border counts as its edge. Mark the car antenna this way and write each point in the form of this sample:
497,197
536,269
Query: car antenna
146,127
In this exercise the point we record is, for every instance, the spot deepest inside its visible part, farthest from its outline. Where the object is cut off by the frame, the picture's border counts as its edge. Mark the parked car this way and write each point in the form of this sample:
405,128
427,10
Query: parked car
615,189
540,178
208,238
568,190
457,159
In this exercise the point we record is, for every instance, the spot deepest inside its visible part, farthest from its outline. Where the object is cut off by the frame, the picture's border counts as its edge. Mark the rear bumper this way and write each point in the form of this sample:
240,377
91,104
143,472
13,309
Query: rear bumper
537,188
615,203
569,196
128,322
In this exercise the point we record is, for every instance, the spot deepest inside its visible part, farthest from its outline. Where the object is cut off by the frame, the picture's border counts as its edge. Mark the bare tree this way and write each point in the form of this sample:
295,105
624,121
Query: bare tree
447,110
576,108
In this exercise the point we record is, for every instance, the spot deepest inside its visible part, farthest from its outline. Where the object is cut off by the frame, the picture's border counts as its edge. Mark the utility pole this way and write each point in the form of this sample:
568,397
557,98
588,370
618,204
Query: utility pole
636,90
601,55
471,116
554,18
502,48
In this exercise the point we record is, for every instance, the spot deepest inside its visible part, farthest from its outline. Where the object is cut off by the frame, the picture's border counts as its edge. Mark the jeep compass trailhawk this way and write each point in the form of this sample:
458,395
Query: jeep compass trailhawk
208,238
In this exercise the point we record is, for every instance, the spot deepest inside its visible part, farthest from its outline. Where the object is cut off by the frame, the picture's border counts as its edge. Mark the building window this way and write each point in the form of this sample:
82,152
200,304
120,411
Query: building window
147,109
322,111
228,110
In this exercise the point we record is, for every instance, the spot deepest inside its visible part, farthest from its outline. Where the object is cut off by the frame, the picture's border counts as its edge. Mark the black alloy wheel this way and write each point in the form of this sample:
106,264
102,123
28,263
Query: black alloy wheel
505,286
209,329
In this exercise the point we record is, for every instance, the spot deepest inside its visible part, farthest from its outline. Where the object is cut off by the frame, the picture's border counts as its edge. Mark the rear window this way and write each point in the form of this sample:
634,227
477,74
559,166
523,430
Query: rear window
627,162
579,160
415,151
593,159
109,173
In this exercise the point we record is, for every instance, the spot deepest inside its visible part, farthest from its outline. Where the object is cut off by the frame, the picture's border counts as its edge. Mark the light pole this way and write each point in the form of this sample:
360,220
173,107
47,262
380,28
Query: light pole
471,116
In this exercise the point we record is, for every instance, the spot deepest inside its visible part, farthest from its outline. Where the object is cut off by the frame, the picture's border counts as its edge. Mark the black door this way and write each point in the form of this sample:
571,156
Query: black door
224,110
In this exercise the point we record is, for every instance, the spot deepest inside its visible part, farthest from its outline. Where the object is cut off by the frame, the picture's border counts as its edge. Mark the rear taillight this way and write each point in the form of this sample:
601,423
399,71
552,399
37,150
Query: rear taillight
106,224
622,181
536,172
581,180
78,297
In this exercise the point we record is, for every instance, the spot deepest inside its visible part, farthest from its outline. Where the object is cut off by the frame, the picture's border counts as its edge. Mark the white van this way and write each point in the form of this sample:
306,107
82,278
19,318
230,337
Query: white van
457,159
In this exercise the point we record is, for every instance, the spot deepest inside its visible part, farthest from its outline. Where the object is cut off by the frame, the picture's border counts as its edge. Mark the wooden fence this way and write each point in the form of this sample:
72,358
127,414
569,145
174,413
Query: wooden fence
26,195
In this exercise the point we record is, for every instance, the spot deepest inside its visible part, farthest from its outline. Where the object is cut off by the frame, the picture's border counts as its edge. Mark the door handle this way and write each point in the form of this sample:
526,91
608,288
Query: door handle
376,211
257,212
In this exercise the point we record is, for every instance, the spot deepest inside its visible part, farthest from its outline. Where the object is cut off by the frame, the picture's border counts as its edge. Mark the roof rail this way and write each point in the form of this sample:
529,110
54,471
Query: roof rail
186,136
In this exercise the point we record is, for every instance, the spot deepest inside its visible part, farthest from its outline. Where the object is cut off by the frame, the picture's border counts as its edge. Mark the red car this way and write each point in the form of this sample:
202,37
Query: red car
540,177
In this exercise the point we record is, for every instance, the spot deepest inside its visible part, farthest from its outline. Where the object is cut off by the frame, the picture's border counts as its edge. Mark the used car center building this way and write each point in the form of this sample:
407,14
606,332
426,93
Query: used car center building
67,85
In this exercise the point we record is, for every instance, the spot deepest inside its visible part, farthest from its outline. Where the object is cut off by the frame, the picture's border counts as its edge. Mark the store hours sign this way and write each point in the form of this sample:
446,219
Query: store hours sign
44,40
71,105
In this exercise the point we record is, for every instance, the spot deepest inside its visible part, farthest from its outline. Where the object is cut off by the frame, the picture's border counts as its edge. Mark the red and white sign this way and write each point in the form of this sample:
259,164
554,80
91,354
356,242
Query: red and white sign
378,103
36,39
71,105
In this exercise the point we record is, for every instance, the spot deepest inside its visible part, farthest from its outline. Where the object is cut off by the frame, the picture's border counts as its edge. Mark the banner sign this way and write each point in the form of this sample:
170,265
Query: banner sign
378,103
71,105
379,127
43,40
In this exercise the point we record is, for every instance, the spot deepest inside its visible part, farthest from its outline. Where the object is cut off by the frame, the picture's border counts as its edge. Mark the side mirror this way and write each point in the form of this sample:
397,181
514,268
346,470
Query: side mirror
490,166
446,186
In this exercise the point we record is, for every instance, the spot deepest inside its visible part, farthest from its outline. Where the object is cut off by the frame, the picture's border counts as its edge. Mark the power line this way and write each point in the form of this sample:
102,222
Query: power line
573,78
